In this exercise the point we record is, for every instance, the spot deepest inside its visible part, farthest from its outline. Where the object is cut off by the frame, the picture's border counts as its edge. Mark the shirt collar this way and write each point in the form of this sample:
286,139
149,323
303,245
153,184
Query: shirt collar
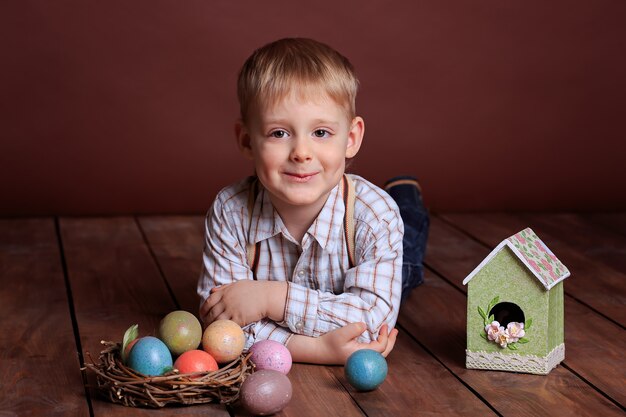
326,229
266,222
328,226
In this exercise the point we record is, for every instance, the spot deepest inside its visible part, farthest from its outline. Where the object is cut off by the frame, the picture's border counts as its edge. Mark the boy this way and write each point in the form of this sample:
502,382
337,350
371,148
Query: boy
298,126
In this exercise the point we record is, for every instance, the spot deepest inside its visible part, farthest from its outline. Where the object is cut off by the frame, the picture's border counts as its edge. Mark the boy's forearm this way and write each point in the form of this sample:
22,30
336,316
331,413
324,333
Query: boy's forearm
305,349
336,346
316,350
246,301
276,300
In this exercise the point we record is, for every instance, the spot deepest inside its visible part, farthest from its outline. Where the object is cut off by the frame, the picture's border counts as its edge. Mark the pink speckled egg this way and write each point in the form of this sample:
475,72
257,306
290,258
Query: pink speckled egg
269,354
224,340
265,392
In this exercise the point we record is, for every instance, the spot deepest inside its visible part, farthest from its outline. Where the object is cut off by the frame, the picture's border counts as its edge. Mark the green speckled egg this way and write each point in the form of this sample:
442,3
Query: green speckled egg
180,331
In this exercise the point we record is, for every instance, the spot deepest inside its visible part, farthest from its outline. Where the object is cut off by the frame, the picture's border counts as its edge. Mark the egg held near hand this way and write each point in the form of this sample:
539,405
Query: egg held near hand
180,331
195,361
265,392
366,369
150,356
270,354
224,340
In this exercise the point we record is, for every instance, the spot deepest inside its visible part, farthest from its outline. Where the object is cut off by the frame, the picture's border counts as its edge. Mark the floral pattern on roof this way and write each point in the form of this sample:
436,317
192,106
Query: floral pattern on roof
545,266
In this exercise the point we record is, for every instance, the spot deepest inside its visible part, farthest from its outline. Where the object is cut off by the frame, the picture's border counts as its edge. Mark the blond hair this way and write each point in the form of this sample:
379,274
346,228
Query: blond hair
299,65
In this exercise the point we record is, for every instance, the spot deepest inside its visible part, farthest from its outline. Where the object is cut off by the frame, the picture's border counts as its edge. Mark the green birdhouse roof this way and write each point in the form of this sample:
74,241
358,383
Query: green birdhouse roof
534,254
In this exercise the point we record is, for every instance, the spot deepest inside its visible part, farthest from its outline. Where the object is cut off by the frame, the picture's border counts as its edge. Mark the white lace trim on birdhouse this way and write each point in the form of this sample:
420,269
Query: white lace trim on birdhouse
514,362
534,254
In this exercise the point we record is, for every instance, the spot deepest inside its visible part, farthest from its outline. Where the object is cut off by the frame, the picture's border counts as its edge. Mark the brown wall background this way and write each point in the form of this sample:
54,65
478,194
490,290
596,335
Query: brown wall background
121,106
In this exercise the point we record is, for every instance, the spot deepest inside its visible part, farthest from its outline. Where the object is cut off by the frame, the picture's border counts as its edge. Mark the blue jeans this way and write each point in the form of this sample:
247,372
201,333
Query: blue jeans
406,193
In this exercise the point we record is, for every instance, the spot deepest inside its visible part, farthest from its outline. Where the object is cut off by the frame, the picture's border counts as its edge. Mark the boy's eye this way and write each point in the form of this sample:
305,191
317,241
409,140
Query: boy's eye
279,134
320,133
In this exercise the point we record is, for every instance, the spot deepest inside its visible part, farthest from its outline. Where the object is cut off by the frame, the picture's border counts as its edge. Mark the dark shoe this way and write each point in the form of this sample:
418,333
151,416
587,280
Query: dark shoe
406,192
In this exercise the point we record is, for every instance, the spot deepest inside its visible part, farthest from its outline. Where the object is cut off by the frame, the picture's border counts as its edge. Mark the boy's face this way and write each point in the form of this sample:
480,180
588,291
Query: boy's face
299,148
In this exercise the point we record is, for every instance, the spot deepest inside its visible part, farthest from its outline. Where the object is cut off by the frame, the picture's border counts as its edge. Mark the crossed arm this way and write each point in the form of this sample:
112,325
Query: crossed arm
317,326
249,301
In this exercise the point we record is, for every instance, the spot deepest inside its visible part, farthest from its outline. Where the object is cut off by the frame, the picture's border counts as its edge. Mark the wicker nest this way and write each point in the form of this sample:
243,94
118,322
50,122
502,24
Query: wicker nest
124,386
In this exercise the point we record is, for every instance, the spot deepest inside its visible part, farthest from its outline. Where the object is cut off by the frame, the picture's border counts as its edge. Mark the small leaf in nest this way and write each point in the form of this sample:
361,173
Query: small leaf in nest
130,335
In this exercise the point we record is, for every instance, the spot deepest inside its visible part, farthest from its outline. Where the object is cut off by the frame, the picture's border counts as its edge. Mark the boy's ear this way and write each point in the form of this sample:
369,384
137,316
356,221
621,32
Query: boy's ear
355,137
243,139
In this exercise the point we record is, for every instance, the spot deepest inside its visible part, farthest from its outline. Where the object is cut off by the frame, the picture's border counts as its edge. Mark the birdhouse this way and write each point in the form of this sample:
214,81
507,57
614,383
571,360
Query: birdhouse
515,308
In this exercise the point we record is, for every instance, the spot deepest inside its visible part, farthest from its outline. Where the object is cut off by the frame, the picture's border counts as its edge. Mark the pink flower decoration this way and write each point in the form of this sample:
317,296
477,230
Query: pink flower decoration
503,338
493,330
534,265
515,331
521,239
539,246
547,264
553,275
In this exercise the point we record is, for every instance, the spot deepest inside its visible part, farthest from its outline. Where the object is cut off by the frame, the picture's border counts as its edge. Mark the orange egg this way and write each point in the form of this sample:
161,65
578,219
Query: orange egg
224,340
195,361
129,347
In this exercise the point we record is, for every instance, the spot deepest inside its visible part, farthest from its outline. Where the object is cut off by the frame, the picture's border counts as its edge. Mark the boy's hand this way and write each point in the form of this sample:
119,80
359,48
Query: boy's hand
245,302
336,346
339,344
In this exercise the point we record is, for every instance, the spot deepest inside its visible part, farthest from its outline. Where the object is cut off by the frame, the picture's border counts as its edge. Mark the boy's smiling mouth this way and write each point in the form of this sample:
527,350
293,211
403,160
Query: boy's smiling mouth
300,177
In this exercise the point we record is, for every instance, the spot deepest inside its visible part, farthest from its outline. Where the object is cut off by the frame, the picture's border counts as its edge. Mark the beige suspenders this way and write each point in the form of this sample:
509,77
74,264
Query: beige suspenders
349,197
252,250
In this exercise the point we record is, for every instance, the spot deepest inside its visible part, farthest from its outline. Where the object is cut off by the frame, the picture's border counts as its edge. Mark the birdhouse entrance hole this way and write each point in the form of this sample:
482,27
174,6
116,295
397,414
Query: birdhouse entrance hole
505,313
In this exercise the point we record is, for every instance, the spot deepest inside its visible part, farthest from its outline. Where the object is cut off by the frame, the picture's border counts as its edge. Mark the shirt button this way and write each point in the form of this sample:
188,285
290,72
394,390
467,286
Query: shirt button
299,326
301,273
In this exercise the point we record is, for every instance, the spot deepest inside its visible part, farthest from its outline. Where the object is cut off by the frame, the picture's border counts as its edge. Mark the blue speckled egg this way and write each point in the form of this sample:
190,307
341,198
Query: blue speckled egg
150,356
366,369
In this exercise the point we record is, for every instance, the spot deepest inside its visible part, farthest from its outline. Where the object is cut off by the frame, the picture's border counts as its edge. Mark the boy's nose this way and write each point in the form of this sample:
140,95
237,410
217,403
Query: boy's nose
300,151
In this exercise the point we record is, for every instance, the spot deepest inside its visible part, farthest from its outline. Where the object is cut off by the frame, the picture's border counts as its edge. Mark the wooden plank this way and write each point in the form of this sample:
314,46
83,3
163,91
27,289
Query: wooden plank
435,315
599,363
40,371
597,285
316,392
115,284
615,221
590,353
177,244
417,382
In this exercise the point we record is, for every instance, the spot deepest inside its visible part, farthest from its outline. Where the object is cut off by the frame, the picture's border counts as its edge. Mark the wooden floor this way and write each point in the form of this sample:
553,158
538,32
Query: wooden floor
68,283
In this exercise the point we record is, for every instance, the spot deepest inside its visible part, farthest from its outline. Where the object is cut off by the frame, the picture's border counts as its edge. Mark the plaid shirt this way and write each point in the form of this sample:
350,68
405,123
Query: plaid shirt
323,293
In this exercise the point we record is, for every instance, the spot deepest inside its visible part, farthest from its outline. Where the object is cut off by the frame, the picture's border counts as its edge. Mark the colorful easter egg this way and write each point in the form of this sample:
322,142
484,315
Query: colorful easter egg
129,347
180,331
366,369
265,392
224,340
270,354
195,361
150,356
